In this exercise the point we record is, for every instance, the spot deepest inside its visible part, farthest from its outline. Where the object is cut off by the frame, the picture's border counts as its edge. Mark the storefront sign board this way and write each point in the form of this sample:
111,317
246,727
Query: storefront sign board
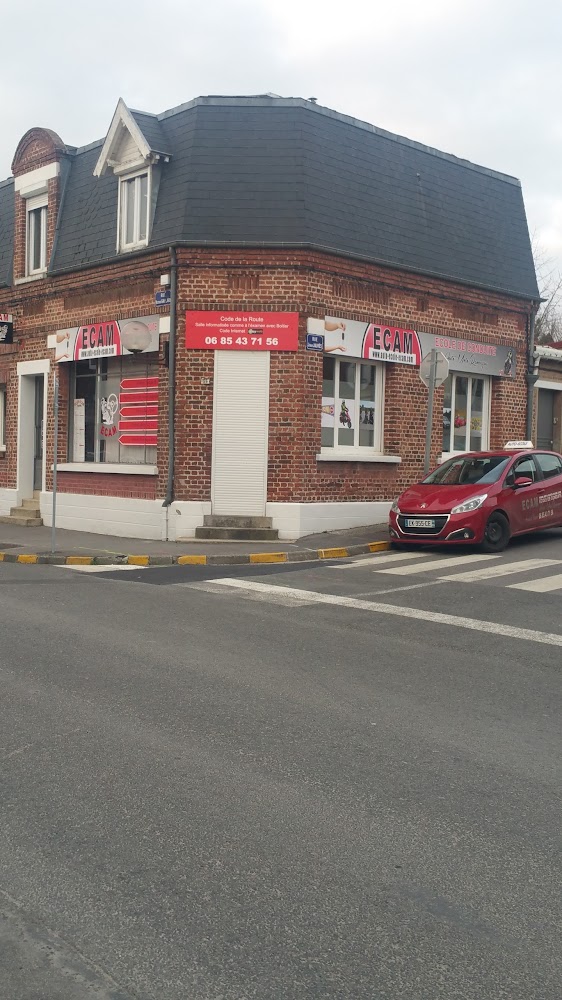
237,331
110,339
6,328
378,342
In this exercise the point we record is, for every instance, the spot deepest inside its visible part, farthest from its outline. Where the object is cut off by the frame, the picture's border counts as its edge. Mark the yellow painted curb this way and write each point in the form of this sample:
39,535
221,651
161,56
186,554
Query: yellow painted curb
27,559
379,546
138,560
332,553
79,561
268,557
1,557
192,560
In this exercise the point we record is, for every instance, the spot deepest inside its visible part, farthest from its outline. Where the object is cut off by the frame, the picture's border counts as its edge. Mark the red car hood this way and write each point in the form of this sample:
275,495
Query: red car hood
437,499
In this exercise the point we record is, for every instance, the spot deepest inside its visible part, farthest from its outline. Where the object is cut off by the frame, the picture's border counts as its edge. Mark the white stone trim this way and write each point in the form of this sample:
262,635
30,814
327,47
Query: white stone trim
184,516
34,367
8,499
113,468
122,116
30,277
25,431
333,455
123,517
293,520
35,181
543,383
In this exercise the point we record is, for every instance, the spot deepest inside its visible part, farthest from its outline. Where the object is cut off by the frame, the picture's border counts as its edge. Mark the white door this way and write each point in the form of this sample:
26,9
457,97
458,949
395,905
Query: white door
240,433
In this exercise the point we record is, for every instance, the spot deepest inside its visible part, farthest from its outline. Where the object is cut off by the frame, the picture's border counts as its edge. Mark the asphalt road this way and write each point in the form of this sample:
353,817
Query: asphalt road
322,781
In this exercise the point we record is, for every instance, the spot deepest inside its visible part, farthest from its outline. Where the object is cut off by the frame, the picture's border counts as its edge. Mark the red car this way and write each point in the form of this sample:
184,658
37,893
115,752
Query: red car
482,498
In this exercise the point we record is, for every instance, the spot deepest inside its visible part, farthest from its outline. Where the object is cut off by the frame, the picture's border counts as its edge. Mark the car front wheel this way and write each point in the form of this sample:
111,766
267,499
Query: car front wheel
496,533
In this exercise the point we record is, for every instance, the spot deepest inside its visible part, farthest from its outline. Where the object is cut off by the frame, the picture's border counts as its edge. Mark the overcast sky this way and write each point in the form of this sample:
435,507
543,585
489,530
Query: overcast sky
477,78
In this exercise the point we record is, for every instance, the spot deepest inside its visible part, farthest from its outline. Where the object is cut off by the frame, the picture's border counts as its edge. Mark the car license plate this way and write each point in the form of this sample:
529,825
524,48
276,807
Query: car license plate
419,522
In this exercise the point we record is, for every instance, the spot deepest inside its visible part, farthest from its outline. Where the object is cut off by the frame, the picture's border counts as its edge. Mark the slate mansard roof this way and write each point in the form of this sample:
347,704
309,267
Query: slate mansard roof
284,172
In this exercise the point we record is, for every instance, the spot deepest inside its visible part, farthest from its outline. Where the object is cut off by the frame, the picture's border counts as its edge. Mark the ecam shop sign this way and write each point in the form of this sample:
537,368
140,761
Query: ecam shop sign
375,341
236,331
108,340
379,342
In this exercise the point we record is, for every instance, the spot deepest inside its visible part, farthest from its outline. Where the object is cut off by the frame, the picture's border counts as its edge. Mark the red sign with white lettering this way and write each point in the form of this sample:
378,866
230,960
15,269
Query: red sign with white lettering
236,331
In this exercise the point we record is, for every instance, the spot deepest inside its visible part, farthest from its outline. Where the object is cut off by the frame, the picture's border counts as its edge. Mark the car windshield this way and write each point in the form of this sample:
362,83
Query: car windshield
469,470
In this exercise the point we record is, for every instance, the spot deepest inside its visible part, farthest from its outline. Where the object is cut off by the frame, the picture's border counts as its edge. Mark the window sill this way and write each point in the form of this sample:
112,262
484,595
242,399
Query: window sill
108,468
356,456
130,248
2,449
31,277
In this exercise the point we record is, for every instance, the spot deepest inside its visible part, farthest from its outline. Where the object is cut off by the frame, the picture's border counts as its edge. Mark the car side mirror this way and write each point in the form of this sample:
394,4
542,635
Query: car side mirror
521,481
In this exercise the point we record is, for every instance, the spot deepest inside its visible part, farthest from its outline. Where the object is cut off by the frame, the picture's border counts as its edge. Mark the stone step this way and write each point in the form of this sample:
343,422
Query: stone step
235,521
238,534
25,511
22,522
31,504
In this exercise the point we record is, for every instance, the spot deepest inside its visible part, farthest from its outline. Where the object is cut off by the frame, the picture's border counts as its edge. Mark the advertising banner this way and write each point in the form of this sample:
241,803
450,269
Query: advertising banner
378,342
472,356
375,341
108,340
236,331
6,328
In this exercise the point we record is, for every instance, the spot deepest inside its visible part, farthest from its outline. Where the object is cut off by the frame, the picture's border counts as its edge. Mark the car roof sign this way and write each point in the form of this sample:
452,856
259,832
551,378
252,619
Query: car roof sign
518,445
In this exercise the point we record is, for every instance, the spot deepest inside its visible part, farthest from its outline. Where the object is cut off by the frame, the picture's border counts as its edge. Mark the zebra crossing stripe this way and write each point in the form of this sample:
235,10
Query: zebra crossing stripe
505,569
374,607
433,564
539,586
376,561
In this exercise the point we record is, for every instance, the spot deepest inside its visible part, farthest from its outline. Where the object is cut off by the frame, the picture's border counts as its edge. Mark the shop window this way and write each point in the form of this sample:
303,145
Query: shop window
351,405
465,414
36,235
114,411
133,211
2,418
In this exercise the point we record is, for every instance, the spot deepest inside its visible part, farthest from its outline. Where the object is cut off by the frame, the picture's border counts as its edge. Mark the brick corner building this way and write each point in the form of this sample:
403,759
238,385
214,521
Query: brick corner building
234,297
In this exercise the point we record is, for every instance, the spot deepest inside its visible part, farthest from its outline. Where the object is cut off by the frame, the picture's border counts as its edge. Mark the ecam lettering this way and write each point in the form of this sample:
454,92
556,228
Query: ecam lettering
393,339
96,336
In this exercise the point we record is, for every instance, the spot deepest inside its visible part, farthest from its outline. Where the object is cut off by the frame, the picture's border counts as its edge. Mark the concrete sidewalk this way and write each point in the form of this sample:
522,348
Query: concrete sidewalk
33,545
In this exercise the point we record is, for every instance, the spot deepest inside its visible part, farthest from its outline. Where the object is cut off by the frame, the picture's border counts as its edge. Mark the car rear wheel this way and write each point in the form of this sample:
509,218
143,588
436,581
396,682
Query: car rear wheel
496,533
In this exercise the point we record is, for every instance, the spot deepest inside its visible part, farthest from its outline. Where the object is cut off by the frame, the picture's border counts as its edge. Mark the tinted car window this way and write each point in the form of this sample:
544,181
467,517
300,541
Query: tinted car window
469,471
524,467
550,465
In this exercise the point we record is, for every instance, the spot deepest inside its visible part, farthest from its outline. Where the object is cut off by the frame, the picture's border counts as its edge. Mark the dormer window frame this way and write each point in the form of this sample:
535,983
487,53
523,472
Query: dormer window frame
130,184
36,214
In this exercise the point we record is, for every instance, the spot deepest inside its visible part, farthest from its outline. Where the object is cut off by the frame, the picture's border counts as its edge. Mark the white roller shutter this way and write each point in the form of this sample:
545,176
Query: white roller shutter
240,432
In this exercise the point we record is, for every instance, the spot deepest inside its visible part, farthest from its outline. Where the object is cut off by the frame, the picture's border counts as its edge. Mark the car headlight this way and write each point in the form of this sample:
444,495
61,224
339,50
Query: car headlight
395,508
473,504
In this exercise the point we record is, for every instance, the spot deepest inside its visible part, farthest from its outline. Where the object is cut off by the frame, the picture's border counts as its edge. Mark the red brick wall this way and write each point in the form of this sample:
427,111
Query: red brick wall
104,484
309,283
318,285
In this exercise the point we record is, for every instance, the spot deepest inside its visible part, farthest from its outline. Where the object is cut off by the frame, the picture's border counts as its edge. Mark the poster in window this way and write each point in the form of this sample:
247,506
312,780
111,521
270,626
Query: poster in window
366,413
346,414
328,411
79,431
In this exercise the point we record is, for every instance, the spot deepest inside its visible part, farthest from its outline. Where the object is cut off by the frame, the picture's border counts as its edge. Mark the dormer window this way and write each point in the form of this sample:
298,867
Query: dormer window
36,235
133,210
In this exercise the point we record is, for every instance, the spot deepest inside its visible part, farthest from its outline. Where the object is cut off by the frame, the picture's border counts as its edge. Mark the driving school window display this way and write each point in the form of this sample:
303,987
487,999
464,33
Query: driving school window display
350,403
114,390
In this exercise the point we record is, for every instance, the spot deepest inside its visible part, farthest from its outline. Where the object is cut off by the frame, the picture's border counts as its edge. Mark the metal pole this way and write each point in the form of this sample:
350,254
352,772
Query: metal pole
429,427
55,449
